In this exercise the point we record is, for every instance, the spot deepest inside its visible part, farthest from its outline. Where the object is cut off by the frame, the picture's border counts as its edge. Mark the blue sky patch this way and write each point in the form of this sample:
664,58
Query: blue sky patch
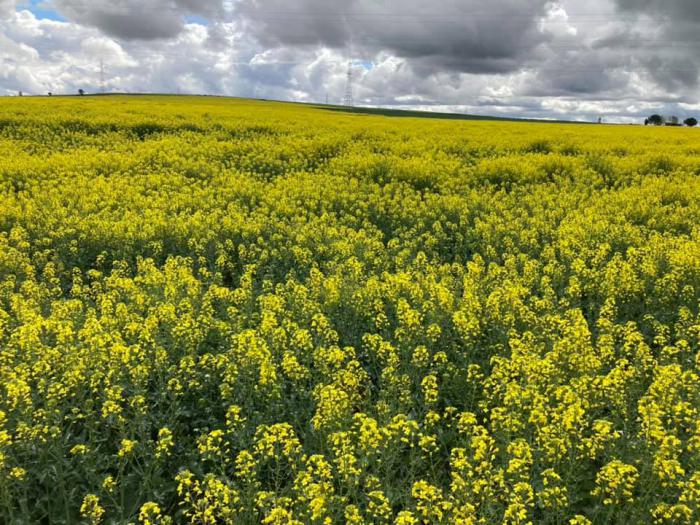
194,19
41,9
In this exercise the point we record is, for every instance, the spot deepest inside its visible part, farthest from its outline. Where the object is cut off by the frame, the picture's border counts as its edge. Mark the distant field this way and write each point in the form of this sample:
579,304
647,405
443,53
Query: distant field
418,114
227,311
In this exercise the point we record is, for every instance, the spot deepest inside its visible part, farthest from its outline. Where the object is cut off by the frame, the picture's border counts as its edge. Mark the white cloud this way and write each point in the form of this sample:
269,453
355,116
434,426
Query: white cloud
556,22
565,59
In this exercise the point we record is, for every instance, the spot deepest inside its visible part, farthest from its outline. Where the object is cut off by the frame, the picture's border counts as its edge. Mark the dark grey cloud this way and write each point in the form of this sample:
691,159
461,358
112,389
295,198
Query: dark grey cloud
577,74
669,49
137,19
673,72
457,35
673,10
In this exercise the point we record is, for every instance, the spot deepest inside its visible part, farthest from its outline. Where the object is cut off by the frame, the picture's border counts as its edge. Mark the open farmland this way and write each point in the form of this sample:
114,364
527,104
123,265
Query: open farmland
223,311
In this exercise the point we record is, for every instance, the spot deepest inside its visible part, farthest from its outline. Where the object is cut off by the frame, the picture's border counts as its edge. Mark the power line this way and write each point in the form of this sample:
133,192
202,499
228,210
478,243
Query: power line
102,75
348,99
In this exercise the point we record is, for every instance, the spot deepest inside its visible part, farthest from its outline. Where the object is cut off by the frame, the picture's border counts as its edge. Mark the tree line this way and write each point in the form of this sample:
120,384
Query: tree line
658,120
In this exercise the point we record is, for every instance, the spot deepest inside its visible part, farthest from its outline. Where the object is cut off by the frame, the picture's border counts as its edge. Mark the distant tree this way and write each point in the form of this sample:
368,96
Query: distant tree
646,121
20,93
656,120
691,122
50,94
81,92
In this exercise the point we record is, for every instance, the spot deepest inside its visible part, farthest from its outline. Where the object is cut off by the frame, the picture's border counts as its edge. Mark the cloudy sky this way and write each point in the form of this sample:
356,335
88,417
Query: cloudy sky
577,59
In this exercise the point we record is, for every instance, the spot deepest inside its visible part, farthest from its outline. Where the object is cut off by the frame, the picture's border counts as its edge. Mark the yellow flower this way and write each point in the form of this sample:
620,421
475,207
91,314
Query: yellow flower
430,502
234,420
245,465
126,448
428,444
353,516
405,517
108,484
91,509
616,482
580,520
214,446
18,473
165,443
666,514
554,495
150,514
79,450
378,506
430,389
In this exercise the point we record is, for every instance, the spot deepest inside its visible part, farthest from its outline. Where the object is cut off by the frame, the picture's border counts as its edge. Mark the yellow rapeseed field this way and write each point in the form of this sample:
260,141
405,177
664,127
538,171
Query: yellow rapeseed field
229,312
